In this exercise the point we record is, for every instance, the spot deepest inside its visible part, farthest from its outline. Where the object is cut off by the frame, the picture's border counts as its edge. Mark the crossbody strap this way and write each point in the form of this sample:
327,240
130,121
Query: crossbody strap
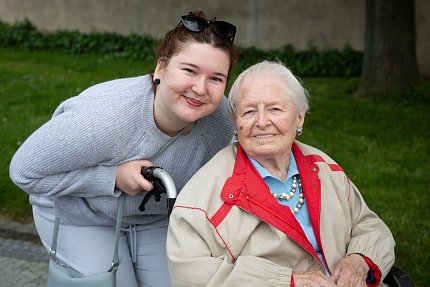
54,238
157,153
115,260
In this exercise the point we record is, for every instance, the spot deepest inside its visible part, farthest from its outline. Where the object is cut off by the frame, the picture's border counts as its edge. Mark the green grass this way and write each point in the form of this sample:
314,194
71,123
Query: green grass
381,144
32,84
383,147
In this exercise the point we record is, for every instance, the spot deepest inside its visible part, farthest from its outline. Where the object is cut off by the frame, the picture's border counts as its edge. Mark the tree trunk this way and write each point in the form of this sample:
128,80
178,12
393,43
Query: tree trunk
390,63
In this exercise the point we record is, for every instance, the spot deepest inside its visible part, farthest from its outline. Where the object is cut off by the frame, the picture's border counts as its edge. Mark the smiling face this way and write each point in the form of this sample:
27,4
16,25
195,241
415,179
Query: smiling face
266,121
192,85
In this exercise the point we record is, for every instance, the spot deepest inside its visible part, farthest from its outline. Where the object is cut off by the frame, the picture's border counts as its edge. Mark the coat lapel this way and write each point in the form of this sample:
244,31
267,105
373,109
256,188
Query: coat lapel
247,190
311,185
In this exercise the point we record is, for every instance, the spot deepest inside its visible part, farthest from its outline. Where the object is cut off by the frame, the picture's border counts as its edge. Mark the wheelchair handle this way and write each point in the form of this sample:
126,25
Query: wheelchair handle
152,172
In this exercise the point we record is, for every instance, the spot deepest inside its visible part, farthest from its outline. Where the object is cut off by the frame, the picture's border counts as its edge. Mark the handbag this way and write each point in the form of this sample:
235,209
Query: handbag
62,275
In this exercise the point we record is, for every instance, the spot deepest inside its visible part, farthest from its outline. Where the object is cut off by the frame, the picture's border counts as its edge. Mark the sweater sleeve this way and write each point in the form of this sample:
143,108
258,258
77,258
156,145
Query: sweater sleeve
191,261
73,153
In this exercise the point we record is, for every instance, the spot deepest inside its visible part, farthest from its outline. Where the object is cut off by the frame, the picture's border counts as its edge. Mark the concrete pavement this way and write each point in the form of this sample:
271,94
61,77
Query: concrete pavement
23,260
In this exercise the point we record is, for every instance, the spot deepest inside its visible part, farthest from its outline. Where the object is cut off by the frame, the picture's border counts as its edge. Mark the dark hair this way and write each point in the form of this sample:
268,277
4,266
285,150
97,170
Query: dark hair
172,44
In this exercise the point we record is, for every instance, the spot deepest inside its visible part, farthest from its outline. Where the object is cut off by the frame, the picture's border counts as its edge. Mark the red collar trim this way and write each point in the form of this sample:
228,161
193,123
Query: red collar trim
311,184
247,190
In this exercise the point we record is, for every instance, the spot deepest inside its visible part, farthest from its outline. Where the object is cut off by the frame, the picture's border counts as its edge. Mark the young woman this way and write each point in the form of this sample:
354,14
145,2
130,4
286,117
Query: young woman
77,164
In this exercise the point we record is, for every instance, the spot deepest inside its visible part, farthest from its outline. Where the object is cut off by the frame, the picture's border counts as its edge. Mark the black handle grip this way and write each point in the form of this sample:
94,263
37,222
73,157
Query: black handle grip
147,172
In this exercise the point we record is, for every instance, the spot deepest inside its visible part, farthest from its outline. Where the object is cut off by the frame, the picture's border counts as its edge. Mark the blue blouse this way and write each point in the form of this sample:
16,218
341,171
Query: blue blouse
278,186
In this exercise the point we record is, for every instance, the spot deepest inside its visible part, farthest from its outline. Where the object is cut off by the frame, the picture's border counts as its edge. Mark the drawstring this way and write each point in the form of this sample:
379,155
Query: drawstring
132,238
131,229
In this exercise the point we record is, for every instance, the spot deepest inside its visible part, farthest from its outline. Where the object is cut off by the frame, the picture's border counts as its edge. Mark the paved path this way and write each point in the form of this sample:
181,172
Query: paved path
23,260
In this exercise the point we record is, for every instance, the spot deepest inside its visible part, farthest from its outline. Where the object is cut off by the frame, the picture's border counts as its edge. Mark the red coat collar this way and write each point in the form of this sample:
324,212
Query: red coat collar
247,190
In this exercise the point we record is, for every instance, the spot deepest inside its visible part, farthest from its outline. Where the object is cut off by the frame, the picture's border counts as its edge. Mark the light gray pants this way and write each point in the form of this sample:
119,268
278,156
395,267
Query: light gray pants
89,249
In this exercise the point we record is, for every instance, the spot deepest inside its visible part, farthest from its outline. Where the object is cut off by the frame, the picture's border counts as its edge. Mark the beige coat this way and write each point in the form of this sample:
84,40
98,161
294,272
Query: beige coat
227,229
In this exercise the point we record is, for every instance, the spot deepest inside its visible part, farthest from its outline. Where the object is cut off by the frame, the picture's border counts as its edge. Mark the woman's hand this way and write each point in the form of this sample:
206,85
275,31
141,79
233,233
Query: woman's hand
351,271
130,180
312,279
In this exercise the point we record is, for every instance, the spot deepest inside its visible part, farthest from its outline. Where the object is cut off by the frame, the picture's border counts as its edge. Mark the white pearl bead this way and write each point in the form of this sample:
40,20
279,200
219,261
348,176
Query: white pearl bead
290,195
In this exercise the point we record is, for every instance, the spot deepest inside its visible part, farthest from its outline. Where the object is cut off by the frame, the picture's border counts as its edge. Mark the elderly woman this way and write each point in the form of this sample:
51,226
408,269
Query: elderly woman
271,211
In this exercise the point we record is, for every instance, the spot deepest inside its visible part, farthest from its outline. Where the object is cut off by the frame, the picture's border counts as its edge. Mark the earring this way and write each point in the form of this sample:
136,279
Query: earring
156,81
299,131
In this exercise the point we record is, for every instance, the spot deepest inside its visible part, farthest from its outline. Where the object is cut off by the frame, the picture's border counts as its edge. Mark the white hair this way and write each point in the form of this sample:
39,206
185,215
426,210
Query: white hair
294,91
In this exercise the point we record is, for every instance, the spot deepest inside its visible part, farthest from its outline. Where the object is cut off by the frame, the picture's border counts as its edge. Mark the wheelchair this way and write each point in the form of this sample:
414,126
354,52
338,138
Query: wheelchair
398,278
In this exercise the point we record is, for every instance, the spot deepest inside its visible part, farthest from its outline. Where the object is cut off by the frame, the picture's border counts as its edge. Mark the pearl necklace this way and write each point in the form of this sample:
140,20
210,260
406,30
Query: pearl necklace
285,196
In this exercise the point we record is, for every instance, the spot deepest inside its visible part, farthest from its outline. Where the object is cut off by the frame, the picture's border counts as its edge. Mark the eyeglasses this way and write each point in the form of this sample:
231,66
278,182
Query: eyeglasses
198,24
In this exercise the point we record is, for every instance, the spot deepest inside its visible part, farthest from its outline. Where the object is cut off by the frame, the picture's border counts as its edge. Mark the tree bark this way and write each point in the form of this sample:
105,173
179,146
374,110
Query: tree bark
390,63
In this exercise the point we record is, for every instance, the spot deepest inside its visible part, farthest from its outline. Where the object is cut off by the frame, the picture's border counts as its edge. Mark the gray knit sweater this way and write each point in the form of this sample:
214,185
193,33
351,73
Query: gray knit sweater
72,158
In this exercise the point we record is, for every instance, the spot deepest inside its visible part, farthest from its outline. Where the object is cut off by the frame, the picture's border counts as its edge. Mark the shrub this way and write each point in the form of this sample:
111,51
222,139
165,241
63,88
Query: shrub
308,63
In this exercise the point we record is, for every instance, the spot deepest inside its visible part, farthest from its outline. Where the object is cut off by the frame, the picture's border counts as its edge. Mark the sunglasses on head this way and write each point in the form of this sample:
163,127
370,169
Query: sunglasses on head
198,24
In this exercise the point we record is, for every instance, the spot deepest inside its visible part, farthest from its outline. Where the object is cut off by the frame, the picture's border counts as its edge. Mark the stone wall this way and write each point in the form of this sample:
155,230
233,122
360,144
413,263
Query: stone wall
264,24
